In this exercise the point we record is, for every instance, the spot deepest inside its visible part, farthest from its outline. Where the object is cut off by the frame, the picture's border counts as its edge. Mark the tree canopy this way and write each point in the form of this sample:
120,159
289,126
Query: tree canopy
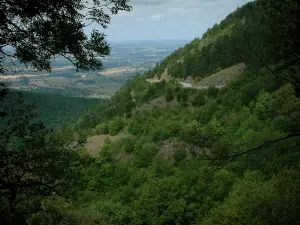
38,31
217,155
35,162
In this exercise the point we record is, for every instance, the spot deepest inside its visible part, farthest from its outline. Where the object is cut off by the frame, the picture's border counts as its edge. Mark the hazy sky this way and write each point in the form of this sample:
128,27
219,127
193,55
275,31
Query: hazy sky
169,19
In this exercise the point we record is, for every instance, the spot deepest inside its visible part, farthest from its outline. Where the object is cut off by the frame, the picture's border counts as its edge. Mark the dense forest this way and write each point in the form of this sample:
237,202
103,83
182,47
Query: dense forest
225,155
54,110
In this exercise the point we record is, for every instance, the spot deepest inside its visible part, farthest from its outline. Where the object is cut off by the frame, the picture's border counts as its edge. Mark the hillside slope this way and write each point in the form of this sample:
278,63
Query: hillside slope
225,155
54,110
221,78
203,156
256,34
209,54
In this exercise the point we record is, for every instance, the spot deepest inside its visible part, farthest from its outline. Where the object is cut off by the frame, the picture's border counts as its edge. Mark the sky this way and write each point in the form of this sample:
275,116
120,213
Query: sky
168,19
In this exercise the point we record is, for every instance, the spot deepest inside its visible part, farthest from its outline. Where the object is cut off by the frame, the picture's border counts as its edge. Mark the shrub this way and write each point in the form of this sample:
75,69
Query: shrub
160,135
127,144
178,156
213,91
115,125
102,128
169,95
199,99
144,155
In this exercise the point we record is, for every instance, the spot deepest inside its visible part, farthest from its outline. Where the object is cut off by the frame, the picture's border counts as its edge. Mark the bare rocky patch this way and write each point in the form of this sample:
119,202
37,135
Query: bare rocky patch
159,103
221,78
167,148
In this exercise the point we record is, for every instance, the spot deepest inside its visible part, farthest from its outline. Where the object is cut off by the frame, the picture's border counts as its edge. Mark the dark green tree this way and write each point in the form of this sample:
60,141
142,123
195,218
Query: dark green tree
169,95
34,163
38,31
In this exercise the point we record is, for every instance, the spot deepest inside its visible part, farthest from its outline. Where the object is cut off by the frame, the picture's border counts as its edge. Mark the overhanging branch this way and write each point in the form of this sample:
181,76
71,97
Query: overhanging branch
263,144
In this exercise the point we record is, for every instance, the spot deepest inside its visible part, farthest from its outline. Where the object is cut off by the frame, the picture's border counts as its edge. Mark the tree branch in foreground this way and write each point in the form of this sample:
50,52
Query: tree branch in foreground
231,158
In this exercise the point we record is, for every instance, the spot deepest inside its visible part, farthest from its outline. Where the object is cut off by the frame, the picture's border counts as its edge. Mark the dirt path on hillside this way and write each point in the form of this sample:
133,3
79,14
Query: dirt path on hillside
185,85
219,79
95,143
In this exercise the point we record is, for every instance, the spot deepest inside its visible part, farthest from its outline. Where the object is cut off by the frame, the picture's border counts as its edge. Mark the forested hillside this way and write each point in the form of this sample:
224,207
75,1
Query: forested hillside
214,156
256,34
227,155
54,110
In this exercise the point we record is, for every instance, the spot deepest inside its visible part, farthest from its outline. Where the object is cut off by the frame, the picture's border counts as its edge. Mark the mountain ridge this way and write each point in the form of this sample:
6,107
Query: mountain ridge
173,63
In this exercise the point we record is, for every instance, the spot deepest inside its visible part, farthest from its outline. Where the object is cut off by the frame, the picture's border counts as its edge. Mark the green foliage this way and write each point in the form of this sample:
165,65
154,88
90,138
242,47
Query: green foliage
179,155
127,144
182,96
187,164
160,135
57,211
252,193
199,99
39,163
102,128
152,179
115,126
213,91
254,34
55,29
169,95
55,111
143,155
116,213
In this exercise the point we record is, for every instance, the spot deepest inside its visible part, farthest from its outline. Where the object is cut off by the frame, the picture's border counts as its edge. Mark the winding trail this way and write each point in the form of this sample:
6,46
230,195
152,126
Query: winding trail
218,80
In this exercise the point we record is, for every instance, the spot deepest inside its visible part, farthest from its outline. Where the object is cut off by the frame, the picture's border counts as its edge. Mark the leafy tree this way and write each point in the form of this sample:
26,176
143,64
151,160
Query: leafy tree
56,211
253,193
34,163
127,144
213,91
241,146
54,110
38,31
160,135
179,155
114,126
182,96
276,41
144,155
199,99
169,95
102,128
